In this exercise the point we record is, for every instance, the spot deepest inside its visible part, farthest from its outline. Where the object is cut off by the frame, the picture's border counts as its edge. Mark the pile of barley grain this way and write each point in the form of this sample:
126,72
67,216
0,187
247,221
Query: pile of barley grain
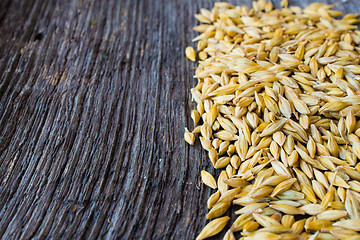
278,100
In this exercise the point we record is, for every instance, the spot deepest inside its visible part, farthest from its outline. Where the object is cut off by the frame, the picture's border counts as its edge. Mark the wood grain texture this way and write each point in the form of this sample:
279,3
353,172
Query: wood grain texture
94,98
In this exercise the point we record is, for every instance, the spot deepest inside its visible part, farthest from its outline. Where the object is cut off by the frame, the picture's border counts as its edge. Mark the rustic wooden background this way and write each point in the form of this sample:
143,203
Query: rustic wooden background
94,98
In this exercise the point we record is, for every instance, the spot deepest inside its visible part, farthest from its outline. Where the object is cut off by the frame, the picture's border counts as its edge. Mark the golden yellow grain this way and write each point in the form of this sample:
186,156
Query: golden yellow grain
252,208
229,195
221,182
195,115
275,180
319,189
251,226
213,228
202,55
288,209
352,224
318,224
218,210
332,215
328,198
240,222
189,137
190,53
265,221
208,179
298,226
287,220
213,199
283,186
273,127
309,193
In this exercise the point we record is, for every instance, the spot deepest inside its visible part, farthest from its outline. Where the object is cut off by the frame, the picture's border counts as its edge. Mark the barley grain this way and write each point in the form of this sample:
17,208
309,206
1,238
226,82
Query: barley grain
190,53
208,179
213,228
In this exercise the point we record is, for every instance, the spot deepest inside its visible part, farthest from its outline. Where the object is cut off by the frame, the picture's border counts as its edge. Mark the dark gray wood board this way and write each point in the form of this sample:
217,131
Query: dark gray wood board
94,98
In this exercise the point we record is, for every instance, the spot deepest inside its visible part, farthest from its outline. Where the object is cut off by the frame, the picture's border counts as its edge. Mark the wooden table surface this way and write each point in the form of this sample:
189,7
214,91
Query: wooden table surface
94,98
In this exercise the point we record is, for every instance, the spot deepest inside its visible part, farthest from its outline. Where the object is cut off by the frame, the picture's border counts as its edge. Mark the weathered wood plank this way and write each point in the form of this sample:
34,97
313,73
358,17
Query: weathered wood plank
94,97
